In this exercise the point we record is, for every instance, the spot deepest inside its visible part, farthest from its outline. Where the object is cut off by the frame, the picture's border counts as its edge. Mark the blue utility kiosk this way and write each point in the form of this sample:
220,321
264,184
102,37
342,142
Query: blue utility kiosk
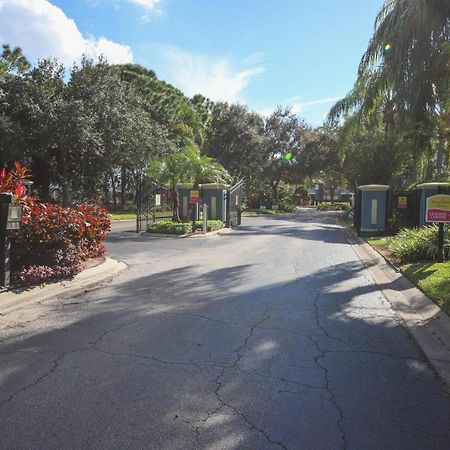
215,196
371,209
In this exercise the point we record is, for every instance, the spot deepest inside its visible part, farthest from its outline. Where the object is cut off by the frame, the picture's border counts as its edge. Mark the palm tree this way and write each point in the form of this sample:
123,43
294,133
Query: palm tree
403,72
187,166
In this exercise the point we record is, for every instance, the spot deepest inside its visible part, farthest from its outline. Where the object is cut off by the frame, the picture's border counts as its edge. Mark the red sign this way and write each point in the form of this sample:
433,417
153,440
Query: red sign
194,197
438,215
438,208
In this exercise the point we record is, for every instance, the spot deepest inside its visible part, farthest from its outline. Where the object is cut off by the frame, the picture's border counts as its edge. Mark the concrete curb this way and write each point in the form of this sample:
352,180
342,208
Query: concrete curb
88,279
427,323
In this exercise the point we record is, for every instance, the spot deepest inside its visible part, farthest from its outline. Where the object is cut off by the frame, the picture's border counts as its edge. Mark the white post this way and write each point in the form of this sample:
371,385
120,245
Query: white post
205,218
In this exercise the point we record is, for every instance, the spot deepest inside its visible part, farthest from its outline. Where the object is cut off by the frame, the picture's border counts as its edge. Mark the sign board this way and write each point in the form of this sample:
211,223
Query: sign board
194,197
14,216
158,200
402,202
438,208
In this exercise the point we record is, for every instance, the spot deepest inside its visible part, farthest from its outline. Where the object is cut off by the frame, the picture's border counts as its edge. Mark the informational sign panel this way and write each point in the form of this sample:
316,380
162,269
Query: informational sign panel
14,216
158,200
194,197
402,202
438,208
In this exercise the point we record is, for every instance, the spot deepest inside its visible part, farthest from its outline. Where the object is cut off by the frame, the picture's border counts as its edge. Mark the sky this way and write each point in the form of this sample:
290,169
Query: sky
301,54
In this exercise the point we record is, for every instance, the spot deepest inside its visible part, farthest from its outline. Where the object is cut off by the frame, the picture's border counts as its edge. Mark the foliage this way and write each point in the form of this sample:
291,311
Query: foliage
258,212
433,279
235,139
12,61
335,206
417,244
187,166
284,141
213,225
301,195
402,93
13,181
53,242
166,227
286,203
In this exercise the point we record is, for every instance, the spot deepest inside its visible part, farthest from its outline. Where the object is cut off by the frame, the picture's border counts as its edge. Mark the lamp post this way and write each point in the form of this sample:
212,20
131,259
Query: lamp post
10,216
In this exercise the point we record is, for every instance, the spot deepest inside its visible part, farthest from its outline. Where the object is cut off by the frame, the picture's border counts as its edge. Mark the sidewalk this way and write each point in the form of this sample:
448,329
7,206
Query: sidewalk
428,324
84,281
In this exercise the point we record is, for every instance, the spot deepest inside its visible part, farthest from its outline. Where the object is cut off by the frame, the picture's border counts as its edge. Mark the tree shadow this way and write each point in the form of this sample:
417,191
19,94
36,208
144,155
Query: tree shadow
188,360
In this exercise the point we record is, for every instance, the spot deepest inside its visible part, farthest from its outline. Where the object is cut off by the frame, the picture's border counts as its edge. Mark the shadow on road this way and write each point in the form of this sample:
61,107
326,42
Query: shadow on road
185,360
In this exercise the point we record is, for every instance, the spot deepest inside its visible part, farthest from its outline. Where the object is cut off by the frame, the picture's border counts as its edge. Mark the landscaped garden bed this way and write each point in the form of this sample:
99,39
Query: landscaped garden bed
414,251
52,242
180,228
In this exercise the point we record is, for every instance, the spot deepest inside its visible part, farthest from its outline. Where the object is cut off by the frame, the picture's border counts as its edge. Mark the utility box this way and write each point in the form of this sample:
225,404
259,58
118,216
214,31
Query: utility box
371,209
319,191
215,196
427,190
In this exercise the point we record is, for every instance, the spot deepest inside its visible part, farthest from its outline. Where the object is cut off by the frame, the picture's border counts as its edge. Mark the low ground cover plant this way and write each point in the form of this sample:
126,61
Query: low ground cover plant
168,227
213,225
336,206
417,244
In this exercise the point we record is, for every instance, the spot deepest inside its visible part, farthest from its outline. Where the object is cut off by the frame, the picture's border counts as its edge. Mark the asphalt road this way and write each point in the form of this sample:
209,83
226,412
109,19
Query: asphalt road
273,336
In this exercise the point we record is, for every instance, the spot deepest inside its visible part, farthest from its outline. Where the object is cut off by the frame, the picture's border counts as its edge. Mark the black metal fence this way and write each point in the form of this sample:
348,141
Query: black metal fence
154,203
404,208
234,201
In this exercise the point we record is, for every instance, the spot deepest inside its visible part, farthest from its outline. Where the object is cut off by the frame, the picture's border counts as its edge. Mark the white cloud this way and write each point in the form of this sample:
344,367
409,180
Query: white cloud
43,30
148,4
216,79
301,106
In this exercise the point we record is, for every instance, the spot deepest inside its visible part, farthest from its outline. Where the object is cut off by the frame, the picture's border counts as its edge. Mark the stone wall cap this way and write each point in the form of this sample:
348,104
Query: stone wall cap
214,186
432,185
374,187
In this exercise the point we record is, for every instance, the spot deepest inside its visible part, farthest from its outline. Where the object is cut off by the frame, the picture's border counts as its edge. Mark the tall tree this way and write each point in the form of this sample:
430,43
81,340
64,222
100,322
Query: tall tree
284,140
402,74
235,138
12,61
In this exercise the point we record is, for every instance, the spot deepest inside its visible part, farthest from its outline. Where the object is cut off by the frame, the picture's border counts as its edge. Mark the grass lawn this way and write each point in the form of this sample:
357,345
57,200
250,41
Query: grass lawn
433,279
122,216
259,212
376,241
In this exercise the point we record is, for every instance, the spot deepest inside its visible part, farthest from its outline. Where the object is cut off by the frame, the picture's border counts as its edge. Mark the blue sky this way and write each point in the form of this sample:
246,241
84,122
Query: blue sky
263,53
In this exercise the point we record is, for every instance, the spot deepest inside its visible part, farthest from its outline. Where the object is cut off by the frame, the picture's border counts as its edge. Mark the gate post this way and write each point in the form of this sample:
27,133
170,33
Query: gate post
228,208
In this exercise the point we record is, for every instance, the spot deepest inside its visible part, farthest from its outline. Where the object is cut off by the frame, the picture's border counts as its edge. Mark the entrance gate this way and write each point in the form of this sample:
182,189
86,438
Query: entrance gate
154,203
234,202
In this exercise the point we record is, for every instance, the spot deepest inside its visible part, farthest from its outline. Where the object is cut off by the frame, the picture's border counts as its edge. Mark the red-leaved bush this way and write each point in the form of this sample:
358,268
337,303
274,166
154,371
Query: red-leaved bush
54,242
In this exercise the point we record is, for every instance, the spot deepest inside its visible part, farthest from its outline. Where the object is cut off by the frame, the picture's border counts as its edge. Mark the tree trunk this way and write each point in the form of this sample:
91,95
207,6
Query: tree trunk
123,186
114,192
65,193
65,184
440,153
175,203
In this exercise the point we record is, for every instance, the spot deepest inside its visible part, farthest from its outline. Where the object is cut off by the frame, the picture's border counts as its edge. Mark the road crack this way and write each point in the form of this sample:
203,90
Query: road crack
321,354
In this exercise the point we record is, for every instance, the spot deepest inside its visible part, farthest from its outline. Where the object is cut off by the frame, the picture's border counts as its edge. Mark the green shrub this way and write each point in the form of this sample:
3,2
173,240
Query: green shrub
167,227
417,244
53,242
286,203
213,225
336,206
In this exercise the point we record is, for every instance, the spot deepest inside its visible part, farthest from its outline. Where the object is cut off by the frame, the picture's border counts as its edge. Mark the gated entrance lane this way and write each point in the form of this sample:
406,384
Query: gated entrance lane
273,336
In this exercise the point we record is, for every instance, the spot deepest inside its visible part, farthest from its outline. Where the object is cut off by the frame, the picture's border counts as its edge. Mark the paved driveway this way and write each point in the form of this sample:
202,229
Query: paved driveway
273,336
